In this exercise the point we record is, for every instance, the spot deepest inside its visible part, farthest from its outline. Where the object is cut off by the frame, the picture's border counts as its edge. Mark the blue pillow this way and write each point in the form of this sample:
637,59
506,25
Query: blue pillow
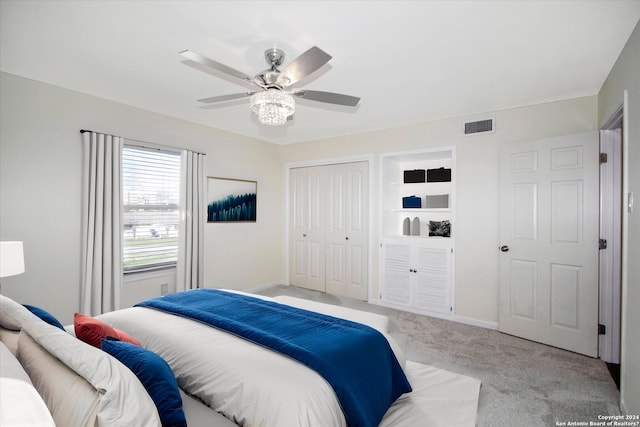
44,315
155,375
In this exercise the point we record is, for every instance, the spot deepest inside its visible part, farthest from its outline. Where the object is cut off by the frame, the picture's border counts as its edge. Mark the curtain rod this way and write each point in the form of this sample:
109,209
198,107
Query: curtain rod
152,145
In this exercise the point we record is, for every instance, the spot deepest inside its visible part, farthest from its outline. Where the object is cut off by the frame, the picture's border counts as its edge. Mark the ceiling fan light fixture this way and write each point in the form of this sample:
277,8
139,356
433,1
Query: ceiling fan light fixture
272,106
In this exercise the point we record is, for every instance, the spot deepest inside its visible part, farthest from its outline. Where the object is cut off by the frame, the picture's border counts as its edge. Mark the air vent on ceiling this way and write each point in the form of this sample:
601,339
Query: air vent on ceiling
480,126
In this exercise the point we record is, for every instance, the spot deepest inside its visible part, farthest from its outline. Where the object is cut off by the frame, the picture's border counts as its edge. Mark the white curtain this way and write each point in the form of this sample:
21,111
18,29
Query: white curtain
102,212
190,271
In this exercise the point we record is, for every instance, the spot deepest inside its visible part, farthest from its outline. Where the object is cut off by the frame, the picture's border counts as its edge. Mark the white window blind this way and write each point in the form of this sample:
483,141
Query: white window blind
150,200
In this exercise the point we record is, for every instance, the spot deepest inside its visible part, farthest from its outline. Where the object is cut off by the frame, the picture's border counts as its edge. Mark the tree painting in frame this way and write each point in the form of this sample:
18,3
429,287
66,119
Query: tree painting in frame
231,200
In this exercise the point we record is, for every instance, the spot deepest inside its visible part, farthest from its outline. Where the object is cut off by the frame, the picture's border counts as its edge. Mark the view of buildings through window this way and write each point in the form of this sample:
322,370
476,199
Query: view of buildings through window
150,199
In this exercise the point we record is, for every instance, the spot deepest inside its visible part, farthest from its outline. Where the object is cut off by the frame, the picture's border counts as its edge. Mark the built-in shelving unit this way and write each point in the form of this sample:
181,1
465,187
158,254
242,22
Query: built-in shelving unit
416,271
394,189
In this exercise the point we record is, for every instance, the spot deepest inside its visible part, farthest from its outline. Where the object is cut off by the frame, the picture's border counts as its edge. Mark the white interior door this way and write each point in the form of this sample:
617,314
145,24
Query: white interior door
297,226
336,230
357,230
347,230
549,238
314,238
306,233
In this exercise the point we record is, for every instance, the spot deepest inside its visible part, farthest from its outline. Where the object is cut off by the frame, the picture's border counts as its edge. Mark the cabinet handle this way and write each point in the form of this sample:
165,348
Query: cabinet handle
346,238
304,235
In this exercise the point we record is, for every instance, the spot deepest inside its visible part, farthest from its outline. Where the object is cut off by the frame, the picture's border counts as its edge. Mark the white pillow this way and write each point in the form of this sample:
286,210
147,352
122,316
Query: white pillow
10,366
12,313
71,400
20,402
21,405
123,399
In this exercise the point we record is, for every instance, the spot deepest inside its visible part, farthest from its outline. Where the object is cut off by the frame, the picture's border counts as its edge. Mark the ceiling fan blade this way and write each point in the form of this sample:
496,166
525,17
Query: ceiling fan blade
303,65
328,97
223,98
214,65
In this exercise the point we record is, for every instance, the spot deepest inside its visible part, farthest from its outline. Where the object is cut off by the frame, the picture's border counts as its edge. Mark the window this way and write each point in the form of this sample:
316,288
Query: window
150,200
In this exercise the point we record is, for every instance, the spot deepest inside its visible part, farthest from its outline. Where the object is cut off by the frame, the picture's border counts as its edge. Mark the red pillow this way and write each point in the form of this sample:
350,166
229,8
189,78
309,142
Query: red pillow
91,330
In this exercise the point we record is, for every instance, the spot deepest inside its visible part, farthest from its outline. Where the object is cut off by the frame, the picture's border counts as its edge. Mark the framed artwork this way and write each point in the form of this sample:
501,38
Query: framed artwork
231,200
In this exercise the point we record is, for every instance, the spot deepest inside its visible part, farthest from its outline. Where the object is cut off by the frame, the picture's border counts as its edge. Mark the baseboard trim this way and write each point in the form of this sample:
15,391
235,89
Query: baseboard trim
460,319
475,322
259,288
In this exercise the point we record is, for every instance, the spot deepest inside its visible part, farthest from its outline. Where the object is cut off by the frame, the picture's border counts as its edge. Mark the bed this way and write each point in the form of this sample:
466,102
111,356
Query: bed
223,379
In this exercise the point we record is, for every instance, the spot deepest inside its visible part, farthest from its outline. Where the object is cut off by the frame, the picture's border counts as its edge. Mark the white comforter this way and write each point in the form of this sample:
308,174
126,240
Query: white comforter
254,386
250,385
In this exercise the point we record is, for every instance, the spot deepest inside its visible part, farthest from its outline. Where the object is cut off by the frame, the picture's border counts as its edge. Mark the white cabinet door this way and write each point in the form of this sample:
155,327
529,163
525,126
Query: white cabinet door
417,276
549,236
433,279
397,274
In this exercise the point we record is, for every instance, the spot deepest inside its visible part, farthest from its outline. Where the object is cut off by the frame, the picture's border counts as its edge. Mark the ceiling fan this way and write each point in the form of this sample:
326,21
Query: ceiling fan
272,99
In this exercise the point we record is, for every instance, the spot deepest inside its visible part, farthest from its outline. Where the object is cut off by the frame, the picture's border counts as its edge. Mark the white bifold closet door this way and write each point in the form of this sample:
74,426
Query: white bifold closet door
306,228
328,228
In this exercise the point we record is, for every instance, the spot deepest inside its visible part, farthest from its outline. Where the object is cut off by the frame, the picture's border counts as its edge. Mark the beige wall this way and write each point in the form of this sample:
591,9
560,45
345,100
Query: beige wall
624,76
477,238
40,190
40,186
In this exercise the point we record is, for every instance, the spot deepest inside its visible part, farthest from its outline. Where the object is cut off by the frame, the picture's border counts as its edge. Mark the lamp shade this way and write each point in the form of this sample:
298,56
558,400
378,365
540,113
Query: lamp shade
11,259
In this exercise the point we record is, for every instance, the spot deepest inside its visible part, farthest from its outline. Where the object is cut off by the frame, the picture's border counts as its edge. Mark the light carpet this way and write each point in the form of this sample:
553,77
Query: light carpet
523,383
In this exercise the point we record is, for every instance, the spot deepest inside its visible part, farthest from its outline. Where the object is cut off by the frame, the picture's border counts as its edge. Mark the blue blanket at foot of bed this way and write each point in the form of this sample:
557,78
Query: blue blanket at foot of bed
356,360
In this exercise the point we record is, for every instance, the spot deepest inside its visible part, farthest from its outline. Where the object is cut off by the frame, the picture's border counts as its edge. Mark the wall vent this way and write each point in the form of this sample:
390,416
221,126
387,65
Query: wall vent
479,126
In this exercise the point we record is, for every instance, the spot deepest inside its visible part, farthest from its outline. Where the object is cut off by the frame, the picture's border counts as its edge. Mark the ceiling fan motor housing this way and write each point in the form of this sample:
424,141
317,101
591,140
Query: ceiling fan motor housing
269,78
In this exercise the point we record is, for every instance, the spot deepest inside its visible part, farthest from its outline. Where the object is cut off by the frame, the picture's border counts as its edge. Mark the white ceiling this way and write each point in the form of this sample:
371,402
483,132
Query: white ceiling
409,61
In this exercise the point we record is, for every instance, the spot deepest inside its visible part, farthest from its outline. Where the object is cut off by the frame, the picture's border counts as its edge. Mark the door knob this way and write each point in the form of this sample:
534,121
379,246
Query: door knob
504,248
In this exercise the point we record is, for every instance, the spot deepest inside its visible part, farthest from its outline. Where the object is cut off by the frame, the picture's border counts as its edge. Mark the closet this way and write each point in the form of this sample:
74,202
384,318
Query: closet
328,228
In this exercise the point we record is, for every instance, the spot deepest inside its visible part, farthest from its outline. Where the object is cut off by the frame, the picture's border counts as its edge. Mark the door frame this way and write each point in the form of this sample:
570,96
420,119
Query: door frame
611,207
327,162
